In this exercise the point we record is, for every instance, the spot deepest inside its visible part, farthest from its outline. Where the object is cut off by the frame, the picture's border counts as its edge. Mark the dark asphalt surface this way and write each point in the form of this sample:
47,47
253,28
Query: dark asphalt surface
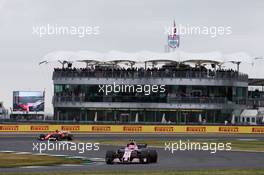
166,160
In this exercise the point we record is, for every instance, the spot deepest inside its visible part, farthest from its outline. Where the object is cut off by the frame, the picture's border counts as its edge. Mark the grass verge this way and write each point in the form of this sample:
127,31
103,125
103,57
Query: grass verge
10,160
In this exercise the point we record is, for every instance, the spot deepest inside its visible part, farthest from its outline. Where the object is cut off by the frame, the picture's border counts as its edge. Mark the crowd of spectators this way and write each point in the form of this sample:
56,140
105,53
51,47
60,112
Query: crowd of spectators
184,71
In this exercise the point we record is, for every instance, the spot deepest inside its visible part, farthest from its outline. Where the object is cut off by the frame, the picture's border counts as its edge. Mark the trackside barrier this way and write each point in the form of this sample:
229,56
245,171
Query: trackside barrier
135,128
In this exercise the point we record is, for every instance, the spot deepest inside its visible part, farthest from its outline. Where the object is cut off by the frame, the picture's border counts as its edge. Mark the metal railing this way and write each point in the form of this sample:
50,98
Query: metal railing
142,99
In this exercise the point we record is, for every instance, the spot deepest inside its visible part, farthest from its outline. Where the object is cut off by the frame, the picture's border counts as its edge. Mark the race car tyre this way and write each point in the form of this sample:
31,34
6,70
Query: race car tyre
153,156
41,137
109,157
145,157
69,138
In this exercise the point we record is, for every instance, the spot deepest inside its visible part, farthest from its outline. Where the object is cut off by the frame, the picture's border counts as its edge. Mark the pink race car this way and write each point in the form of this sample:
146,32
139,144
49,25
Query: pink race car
133,152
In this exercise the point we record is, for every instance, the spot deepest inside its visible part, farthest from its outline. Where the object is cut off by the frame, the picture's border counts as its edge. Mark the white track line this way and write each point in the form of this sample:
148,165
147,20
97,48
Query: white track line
22,153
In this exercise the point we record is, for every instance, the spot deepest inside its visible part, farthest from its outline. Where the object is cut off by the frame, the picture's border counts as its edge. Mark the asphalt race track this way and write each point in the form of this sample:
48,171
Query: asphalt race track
166,160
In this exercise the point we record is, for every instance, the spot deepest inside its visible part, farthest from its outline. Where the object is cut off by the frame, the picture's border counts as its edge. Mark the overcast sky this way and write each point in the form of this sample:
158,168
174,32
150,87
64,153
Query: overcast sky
128,26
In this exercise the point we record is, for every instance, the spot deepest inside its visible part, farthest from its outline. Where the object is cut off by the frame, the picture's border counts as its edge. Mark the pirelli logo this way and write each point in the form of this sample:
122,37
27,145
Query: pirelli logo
163,129
228,129
71,128
101,128
258,130
132,128
9,128
39,128
195,129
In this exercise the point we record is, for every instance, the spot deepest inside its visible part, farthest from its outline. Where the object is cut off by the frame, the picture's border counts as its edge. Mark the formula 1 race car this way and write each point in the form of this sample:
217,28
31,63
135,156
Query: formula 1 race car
133,152
56,136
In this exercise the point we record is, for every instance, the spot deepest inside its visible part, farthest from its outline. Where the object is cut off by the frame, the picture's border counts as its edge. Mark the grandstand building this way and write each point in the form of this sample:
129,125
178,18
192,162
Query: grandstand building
191,91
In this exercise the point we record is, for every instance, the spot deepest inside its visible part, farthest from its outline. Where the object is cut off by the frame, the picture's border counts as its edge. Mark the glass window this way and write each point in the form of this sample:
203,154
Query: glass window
58,88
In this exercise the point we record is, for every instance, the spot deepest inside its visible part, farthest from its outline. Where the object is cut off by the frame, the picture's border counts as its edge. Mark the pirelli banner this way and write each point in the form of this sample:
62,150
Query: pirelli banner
199,129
